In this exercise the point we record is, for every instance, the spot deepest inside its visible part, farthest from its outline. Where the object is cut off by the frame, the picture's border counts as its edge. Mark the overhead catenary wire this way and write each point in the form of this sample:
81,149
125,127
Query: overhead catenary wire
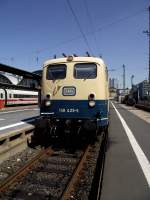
120,20
91,22
79,25
98,29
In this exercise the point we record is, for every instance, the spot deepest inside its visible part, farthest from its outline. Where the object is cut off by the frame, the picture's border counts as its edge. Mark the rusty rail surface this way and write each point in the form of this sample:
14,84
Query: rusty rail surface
11,180
75,179
76,175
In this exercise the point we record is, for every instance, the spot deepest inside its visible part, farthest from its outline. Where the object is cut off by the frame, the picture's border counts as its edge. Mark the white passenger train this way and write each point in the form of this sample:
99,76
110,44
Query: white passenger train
17,97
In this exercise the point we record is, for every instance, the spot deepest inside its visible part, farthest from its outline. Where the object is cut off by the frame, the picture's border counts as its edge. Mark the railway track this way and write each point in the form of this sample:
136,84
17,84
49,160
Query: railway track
68,192
55,174
11,180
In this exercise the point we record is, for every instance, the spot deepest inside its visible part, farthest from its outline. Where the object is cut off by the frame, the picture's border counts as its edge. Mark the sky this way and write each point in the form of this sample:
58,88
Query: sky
33,31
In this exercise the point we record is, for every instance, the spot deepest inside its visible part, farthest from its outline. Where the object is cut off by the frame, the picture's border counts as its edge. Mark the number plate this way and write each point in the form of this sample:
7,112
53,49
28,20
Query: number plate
69,91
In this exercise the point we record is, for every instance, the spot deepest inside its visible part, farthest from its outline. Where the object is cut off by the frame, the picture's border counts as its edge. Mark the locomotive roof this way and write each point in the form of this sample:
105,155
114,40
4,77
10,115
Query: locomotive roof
75,59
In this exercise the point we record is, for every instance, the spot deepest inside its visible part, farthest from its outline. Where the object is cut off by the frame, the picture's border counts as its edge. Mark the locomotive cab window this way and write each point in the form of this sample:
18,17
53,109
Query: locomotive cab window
85,71
56,72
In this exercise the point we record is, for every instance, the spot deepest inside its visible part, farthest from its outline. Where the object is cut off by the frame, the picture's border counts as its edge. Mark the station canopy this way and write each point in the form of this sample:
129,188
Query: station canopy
15,78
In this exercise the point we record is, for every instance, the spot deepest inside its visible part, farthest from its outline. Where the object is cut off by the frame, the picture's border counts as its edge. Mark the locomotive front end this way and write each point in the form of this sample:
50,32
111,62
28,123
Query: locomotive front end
74,96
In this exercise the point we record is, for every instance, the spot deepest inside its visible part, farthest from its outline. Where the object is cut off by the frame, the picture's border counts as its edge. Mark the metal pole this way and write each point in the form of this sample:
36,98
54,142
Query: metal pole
149,44
124,83
148,34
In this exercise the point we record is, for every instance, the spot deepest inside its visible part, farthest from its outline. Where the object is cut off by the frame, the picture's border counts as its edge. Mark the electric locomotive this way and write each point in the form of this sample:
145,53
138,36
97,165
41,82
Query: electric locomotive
74,96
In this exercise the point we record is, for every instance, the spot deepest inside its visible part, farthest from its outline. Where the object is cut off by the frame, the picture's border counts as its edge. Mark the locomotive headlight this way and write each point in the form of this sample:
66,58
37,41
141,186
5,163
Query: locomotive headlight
91,103
47,103
91,98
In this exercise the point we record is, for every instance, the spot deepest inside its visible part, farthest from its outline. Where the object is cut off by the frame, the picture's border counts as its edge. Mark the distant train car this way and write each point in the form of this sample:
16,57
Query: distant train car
14,97
74,95
2,98
129,100
10,97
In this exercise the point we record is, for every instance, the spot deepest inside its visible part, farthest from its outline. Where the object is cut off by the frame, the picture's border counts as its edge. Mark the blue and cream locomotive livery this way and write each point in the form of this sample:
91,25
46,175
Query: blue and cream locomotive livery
74,94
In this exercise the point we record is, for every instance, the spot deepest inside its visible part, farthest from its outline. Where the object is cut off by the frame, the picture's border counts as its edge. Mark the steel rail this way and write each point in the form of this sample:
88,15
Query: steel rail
76,175
70,188
11,180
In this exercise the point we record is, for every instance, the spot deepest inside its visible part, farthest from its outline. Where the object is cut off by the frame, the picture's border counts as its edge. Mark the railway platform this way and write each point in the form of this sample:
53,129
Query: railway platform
20,107
126,172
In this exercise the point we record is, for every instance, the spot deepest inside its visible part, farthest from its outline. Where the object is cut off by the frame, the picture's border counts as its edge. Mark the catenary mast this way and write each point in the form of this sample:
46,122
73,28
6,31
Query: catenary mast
148,33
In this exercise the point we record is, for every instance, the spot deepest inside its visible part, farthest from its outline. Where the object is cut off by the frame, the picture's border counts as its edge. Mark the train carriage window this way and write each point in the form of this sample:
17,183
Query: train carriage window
10,96
56,72
24,96
1,95
85,71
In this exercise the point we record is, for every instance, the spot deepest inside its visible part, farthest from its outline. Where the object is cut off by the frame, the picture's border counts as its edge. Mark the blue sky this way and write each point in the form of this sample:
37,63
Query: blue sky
43,28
